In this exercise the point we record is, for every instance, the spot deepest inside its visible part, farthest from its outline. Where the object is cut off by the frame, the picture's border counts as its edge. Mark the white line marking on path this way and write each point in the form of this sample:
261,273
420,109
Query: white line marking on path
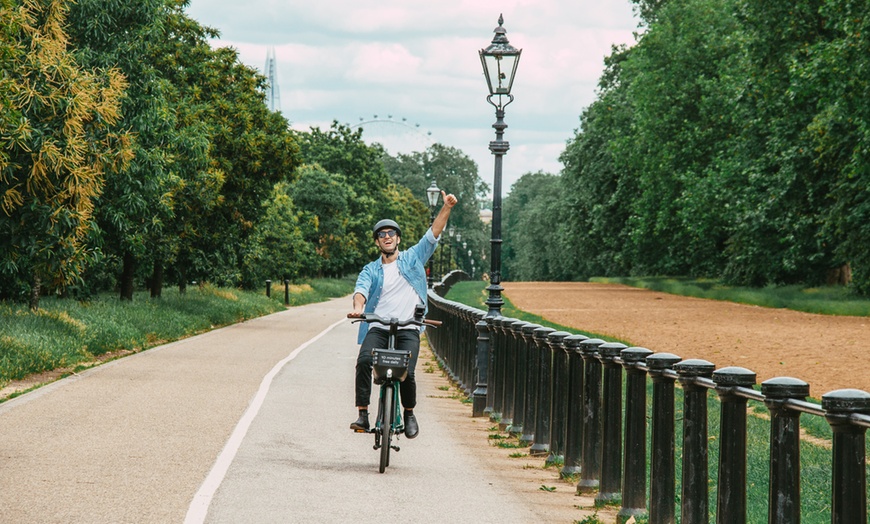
198,509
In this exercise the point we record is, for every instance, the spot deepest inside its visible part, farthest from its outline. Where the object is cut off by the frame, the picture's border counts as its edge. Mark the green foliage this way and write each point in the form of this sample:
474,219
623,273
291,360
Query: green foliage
533,218
337,236
55,146
277,249
729,142
133,152
453,172
138,197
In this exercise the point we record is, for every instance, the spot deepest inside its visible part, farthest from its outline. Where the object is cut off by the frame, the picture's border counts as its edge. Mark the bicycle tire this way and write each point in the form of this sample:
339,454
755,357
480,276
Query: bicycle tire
386,427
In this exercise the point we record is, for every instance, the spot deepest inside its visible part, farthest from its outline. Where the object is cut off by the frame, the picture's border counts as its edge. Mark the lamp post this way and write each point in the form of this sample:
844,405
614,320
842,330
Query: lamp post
499,61
432,193
458,240
450,232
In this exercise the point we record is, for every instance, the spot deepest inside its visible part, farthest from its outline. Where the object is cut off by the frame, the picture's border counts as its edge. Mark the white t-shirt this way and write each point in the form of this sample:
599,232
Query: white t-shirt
398,298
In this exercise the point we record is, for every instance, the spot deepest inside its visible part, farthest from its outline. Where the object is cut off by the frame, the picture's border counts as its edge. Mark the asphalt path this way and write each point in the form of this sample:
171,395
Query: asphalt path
247,423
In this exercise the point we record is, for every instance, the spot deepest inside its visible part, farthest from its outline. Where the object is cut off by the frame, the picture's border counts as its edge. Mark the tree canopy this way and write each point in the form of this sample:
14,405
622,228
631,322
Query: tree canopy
730,142
133,152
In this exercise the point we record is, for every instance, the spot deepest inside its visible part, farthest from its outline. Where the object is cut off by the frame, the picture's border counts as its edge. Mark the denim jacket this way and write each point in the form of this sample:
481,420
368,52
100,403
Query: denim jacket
412,267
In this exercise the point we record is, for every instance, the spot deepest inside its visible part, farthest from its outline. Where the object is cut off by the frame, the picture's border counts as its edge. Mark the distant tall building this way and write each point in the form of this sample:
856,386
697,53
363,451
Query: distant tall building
273,91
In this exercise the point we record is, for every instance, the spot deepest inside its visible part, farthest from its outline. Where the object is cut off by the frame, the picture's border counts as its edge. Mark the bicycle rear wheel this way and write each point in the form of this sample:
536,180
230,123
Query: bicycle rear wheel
386,427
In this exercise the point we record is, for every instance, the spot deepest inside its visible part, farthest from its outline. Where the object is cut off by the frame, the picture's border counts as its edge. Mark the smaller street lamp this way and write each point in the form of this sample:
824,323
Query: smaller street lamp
432,193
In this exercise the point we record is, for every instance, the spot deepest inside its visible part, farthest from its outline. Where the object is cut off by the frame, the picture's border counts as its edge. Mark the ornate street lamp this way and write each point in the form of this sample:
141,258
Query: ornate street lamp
432,193
499,61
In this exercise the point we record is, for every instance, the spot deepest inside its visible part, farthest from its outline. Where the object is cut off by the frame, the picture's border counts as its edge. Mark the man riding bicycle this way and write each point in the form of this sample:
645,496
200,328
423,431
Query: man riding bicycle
391,287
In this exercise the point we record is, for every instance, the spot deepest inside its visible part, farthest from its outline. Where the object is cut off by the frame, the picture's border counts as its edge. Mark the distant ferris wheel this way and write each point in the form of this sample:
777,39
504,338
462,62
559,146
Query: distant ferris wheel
397,135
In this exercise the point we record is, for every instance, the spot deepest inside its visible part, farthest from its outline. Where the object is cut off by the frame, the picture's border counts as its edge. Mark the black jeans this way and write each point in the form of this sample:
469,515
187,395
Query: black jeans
406,339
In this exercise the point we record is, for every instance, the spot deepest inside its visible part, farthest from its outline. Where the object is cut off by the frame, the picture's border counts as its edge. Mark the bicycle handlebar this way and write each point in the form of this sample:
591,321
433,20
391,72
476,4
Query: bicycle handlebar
371,317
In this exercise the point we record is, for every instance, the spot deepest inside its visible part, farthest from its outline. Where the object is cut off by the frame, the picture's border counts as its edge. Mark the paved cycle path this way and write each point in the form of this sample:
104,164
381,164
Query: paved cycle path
192,430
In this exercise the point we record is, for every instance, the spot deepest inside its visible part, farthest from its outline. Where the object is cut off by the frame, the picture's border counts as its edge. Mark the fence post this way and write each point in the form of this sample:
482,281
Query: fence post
528,435
731,492
574,422
610,488
693,508
634,469
507,385
590,458
784,499
286,292
558,397
268,288
493,358
478,402
520,377
542,416
475,357
849,476
662,471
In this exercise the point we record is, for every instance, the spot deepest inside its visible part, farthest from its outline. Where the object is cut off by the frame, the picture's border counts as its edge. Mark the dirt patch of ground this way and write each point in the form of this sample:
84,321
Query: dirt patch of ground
828,352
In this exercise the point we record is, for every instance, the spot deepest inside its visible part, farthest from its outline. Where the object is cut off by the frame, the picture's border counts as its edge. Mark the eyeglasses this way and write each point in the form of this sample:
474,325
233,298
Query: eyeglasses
389,232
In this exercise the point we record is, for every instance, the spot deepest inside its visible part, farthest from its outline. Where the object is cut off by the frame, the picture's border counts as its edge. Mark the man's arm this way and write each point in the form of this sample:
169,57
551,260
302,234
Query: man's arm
359,304
441,220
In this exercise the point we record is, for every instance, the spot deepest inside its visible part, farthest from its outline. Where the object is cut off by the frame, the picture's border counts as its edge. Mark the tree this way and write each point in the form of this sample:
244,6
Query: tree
454,172
138,198
533,213
323,198
838,69
277,247
55,146
341,152
184,58
599,185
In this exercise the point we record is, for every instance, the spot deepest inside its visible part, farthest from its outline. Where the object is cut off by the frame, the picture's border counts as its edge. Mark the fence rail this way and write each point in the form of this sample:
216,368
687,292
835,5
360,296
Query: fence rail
563,394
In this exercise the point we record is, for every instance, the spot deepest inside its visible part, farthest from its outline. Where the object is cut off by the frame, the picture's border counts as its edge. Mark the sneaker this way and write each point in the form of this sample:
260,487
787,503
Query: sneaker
411,428
361,425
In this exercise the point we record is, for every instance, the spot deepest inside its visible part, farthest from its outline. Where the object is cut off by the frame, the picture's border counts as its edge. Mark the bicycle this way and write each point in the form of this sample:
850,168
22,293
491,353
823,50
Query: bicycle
389,368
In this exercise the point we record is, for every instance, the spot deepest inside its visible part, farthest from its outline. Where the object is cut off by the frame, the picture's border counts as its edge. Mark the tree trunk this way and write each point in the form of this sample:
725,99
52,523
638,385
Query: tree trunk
839,276
127,277
182,281
34,292
157,279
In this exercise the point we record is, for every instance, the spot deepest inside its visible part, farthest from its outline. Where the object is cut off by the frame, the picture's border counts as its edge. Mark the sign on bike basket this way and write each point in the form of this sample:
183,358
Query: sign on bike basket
390,364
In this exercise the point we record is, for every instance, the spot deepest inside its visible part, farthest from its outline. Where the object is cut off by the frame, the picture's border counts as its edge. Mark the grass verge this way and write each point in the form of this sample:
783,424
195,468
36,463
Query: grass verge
827,300
473,293
71,335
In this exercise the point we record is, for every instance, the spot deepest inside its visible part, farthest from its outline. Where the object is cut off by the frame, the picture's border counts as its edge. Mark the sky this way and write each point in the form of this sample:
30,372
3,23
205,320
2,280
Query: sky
409,72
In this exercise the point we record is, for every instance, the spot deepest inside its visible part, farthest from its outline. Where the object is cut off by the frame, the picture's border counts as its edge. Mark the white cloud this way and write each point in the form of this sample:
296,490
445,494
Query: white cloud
342,59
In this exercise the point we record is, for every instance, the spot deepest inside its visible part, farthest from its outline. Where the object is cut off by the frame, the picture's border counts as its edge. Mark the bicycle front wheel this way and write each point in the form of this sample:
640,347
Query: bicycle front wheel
387,427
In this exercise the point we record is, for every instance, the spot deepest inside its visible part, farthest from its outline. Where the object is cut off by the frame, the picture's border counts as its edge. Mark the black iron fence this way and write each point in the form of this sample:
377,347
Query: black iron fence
563,395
